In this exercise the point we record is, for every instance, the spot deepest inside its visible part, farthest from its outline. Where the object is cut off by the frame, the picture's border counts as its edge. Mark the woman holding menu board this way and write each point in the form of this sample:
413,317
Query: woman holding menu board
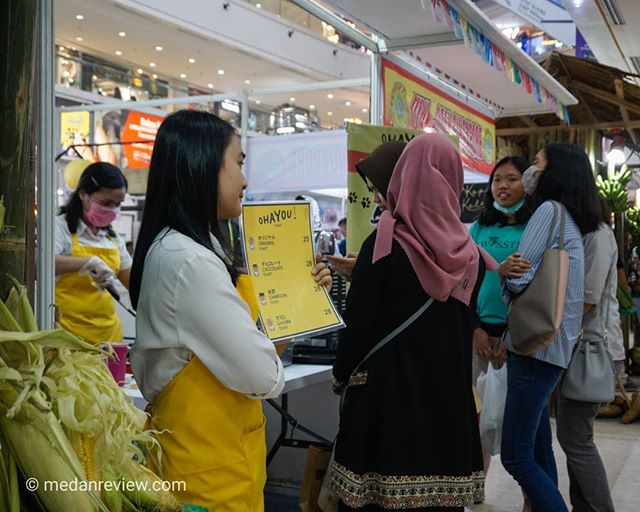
198,358
408,436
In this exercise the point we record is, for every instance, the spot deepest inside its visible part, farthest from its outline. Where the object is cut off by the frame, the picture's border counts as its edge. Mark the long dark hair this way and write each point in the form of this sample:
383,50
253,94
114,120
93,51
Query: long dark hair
95,177
489,215
182,192
568,178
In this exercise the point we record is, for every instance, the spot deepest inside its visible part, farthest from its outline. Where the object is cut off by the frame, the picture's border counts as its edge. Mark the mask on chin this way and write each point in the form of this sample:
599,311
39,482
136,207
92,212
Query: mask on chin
509,210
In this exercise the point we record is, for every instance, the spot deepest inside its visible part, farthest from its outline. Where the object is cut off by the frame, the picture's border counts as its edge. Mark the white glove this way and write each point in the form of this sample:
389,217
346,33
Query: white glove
99,271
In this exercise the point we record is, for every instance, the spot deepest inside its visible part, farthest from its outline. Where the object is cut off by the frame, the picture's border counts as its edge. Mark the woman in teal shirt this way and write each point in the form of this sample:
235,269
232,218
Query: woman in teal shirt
498,231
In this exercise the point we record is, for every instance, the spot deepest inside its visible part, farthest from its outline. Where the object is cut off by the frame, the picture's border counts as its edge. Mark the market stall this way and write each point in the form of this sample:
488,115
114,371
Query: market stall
456,73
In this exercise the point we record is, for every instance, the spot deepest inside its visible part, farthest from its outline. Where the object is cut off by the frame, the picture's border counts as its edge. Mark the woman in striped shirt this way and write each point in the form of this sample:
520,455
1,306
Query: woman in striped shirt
558,174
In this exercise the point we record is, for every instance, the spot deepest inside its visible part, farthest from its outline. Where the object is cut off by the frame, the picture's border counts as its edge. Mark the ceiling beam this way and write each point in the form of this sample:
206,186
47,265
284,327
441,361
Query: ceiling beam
605,96
338,23
507,132
528,121
623,111
408,43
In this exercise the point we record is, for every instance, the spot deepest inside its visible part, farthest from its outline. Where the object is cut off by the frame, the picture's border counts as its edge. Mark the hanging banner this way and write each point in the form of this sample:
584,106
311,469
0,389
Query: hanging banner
116,126
362,213
305,161
410,102
140,127
278,244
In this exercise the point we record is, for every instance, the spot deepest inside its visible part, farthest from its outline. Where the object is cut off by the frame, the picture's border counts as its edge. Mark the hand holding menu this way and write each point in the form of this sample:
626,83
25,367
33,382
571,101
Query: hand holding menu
278,246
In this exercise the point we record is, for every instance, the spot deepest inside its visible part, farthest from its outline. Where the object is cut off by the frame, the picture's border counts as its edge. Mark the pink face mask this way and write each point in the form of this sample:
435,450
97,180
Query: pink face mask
101,216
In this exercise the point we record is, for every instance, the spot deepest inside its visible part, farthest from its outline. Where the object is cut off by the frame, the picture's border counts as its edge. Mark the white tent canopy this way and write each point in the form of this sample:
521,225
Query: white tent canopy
409,29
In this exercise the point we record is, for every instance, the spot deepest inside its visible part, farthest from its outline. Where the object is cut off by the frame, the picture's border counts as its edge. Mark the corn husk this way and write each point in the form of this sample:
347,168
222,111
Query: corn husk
63,417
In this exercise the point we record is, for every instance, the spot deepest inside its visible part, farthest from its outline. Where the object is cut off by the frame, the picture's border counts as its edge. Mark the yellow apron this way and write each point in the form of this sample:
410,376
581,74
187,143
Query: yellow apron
215,440
84,310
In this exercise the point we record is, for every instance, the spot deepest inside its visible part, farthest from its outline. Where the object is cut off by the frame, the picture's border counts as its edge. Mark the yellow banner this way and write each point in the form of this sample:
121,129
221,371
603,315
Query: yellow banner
410,102
362,139
75,128
278,244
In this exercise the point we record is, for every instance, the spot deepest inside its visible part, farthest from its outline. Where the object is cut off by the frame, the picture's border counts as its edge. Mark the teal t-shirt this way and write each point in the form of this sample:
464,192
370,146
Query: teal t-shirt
500,242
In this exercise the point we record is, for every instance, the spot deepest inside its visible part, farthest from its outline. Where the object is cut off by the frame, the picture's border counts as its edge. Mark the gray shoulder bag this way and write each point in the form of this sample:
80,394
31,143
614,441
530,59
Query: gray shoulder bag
536,314
591,375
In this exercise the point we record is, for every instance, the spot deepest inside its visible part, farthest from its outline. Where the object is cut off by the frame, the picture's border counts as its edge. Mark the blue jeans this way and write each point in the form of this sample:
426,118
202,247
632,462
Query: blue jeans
527,453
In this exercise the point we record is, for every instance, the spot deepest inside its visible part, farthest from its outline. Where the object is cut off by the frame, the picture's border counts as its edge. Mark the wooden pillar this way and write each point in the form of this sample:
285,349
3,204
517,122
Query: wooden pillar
17,172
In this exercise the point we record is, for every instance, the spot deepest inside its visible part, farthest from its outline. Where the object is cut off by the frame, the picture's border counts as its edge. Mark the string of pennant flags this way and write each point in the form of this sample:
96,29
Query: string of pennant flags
495,56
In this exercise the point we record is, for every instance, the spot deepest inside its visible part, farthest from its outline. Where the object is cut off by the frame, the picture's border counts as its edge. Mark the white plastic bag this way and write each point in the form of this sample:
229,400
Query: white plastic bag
493,388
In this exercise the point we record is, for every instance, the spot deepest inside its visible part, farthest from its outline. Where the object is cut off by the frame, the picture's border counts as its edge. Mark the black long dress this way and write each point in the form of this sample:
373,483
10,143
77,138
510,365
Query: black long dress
408,436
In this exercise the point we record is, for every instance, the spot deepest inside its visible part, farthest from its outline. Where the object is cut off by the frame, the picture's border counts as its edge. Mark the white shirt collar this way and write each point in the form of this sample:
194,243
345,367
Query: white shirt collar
82,228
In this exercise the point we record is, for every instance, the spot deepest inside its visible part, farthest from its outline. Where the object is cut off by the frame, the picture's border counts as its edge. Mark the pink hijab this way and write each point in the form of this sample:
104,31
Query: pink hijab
424,217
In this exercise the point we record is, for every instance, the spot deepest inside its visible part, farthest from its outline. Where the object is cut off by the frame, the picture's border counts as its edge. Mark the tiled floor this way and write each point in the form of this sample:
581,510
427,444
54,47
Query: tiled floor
619,446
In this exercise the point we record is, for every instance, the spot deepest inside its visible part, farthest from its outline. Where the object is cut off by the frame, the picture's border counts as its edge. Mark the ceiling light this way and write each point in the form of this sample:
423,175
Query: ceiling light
79,17
347,103
329,113
118,52
79,39
122,34
285,129
292,99
182,75
140,71
159,48
155,77
312,107
258,102
221,71
259,6
210,86
192,60
330,96
152,64
247,82
365,110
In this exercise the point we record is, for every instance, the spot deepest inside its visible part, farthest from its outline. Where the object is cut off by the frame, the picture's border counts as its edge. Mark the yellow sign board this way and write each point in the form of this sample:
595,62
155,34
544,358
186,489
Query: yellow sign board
75,128
278,245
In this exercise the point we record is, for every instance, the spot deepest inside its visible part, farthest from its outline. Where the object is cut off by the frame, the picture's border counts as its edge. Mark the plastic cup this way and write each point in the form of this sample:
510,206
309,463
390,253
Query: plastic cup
117,361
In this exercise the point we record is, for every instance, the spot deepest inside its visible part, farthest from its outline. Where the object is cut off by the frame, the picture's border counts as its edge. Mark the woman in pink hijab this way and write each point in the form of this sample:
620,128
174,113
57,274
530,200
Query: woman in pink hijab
408,435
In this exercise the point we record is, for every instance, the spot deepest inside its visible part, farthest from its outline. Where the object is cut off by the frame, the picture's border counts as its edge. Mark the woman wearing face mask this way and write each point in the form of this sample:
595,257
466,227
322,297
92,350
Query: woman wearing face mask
376,170
198,358
498,231
89,255
559,174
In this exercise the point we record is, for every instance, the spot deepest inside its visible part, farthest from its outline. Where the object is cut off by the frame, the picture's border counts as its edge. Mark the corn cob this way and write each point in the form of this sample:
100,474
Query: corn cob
83,445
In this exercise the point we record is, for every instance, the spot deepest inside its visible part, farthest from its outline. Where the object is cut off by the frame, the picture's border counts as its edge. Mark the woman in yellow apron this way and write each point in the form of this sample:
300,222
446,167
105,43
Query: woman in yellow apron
89,255
199,359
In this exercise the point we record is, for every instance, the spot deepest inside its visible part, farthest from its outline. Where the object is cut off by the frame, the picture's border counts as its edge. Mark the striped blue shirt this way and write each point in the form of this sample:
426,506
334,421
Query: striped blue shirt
532,247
